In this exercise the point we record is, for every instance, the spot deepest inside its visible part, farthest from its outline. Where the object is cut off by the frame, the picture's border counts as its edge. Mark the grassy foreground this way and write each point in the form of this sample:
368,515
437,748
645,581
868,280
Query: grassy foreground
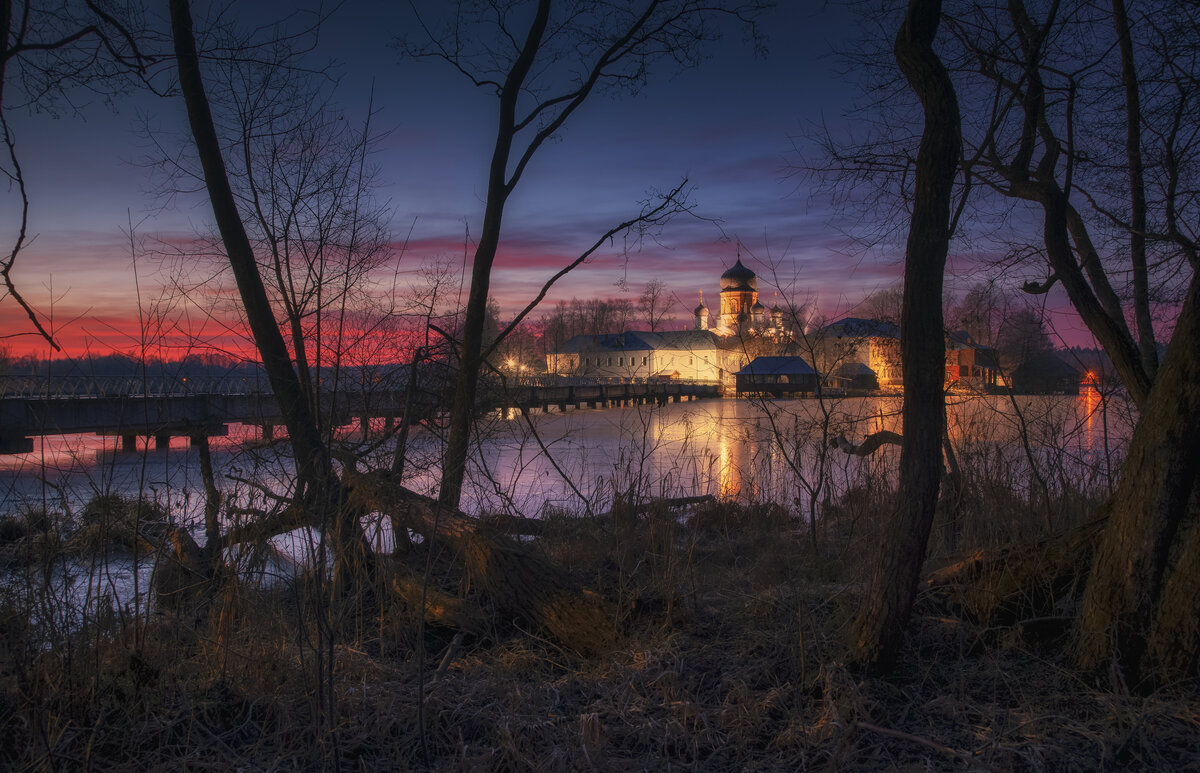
731,629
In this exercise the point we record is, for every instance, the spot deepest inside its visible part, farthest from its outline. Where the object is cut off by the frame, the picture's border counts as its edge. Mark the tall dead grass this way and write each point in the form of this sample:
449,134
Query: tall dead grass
731,625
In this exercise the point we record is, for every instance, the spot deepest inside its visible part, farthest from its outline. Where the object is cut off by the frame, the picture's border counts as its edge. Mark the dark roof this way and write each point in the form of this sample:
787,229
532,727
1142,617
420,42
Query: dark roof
961,339
642,340
738,278
857,327
852,369
686,339
783,366
1046,365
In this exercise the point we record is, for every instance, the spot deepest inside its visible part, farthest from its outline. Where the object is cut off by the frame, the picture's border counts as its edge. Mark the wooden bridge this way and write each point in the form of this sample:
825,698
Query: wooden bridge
601,395
204,408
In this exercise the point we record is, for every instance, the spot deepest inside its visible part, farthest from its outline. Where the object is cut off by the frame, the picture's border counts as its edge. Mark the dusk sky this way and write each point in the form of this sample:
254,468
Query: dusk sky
731,126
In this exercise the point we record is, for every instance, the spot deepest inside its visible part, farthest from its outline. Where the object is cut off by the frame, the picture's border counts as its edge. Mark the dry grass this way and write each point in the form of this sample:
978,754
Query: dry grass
728,660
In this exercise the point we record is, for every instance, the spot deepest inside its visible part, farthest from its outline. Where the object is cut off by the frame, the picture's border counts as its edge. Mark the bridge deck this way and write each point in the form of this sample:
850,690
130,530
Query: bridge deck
207,414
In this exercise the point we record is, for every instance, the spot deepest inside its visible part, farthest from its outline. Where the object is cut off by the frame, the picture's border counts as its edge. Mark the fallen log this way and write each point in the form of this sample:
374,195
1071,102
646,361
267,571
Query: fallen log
1006,585
674,503
870,444
516,525
440,608
521,526
518,580
183,577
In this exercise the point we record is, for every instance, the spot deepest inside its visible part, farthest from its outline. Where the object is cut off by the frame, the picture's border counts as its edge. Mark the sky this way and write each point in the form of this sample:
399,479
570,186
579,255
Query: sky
734,127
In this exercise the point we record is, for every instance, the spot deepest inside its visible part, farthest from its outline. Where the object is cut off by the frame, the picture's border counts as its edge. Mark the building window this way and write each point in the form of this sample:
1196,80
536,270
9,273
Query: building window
610,360
691,360
645,360
964,371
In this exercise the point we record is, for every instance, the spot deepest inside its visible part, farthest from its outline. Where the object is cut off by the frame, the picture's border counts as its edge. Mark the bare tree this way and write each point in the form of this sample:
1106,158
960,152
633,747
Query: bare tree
45,53
543,61
1079,122
1039,70
656,303
879,627
1022,338
981,312
319,490
884,304
518,580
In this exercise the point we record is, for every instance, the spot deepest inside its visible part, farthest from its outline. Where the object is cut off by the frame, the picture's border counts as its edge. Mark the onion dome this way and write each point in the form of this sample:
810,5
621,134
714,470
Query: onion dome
700,310
739,278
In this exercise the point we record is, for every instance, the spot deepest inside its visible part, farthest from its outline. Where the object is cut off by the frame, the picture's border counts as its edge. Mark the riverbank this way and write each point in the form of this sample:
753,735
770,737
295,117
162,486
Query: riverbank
729,628
727,607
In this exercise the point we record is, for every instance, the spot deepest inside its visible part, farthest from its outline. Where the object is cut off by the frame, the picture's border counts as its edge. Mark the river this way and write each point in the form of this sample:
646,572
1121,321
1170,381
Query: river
578,461
574,462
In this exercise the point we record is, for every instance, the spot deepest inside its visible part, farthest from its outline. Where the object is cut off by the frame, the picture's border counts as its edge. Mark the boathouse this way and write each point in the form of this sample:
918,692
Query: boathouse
776,377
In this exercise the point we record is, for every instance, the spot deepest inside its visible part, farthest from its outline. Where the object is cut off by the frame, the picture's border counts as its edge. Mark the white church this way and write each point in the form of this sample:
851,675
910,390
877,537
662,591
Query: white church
710,352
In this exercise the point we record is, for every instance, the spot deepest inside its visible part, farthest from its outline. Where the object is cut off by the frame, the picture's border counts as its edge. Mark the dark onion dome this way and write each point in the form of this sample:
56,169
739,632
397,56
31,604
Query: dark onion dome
758,307
739,278
701,310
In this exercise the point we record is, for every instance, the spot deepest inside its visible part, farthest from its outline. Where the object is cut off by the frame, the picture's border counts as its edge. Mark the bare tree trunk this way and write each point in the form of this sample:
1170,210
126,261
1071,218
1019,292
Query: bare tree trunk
1137,193
518,580
454,466
312,460
879,628
1134,558
313,465
212,502
1174,649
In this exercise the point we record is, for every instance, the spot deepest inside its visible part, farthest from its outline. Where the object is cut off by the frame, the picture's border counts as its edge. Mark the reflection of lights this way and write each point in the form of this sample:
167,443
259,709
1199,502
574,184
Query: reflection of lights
1091,399
707,427
727,484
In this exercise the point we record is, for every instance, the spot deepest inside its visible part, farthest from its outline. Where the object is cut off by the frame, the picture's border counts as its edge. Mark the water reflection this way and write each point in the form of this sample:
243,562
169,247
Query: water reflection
580,460
1089,395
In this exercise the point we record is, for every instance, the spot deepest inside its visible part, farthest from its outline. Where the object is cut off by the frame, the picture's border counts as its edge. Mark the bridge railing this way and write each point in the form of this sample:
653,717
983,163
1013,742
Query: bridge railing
76,388
85,387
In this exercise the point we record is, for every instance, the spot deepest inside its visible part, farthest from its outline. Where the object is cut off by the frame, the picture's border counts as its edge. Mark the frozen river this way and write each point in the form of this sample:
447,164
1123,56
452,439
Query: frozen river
577,461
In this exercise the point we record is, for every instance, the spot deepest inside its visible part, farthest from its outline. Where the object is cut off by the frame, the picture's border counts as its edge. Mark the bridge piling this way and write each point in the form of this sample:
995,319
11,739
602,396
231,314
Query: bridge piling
171,409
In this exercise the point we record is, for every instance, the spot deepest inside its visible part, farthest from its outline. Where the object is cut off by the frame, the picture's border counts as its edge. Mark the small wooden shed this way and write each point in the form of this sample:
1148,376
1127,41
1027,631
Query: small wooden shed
776,377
